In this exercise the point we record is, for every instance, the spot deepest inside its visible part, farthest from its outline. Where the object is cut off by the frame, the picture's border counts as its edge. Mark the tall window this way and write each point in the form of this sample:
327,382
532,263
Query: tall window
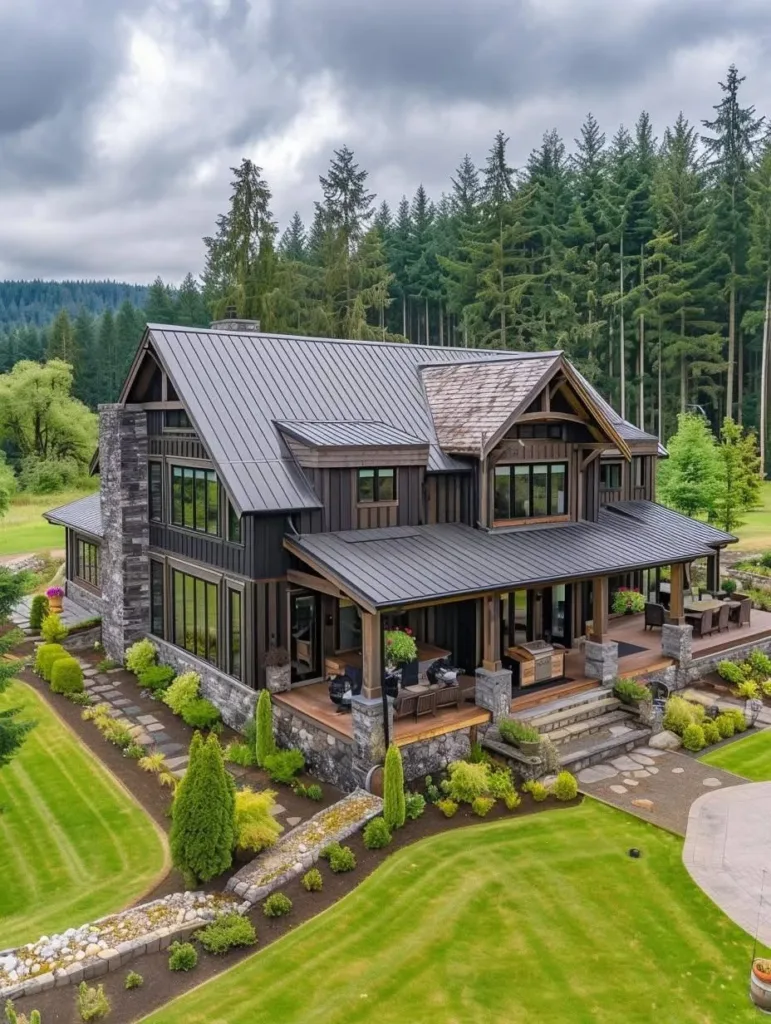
234,633
88,562
155,488
177,419
156,598
531,491
610,476
195,496
638,471
234,525
195,615
377,485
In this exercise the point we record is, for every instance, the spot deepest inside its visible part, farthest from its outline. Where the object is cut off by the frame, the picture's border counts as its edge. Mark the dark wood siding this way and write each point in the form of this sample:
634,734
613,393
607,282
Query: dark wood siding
451,498
270,621
336,489
591,490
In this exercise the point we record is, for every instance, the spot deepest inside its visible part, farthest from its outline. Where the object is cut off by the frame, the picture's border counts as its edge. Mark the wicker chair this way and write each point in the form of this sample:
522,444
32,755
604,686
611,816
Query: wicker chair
741,615
449,695
721,618
702,624
654,615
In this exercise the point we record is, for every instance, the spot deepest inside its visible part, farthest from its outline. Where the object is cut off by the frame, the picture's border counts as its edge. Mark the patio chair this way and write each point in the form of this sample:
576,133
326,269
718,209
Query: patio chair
654,615
721,618
405,704
702,624
741,615
425,704
448,696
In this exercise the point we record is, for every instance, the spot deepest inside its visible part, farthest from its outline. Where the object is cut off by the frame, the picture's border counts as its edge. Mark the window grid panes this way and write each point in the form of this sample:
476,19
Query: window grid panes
156,598
195,625
195,499
234,637
88,562
376,485
530,491
610,476
155,488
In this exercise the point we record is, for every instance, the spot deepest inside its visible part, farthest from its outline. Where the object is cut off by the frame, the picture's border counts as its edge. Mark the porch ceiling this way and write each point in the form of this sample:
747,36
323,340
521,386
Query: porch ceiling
413,565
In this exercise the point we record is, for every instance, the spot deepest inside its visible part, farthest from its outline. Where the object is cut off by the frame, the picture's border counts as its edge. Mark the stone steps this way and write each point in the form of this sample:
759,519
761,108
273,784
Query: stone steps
561,718
587,726
580,754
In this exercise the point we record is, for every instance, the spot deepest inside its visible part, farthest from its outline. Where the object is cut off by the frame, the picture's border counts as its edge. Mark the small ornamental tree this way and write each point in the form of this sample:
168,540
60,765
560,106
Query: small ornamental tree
203,827
394,810
13,729
265,743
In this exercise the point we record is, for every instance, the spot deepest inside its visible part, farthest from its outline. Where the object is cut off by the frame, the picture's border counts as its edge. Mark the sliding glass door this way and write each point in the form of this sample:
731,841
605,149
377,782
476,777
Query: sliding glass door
305,631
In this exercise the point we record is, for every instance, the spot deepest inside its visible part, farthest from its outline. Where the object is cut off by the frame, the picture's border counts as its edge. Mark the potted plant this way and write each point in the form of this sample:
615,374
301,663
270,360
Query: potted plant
278,670
628,602
520,735
760,983
729,587
400,647
55,597
630,692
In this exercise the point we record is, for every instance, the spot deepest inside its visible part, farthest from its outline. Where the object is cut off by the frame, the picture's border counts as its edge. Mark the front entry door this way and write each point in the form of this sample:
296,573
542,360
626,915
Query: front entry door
305,632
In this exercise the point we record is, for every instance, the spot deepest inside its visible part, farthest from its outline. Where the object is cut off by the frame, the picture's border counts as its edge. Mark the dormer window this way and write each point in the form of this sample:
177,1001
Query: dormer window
530,491
610,476
376,485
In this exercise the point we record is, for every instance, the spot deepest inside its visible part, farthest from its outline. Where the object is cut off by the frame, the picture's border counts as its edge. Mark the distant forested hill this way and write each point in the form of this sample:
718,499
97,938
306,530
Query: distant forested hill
38,302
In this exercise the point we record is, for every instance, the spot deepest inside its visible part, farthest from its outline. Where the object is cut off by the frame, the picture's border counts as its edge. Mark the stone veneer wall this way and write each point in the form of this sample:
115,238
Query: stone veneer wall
432,755
235,700
328,756
85,598
83,640
125,565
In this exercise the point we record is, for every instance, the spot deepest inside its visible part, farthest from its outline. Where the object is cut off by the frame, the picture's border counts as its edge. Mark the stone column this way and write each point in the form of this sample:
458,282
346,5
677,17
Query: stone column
369,744
125,564
601,660
676,642
493,692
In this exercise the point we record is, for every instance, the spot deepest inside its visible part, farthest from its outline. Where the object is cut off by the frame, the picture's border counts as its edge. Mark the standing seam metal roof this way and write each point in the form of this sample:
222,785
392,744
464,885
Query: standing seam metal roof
354,433
650,513
83,514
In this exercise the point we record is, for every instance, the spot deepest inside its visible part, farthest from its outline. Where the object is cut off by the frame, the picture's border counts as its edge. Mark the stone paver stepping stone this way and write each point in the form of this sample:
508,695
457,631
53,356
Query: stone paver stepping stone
146,719
89,673
596,773
641,758
112,671
236,770
711,783
169,748
104,687
618,730
133,710
678,771
111,693
280,809
645,805
121,702
618,789
156,727
650,752
653,770
624,763
293,821
177,762
642,774
631,782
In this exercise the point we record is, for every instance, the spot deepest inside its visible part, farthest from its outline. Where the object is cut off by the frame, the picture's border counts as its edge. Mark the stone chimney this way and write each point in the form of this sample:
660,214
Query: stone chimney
232,322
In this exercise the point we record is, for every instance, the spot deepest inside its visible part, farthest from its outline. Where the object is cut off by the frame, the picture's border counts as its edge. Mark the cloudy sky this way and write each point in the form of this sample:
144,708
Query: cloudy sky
119,119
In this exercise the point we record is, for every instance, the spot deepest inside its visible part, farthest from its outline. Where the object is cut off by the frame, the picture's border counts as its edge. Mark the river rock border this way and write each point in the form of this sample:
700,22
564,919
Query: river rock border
110,943
299,849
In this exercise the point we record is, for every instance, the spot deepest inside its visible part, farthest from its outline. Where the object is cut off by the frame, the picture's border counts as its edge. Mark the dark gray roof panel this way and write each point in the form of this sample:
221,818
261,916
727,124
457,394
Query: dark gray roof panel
84,514
666,519
353,433
452,560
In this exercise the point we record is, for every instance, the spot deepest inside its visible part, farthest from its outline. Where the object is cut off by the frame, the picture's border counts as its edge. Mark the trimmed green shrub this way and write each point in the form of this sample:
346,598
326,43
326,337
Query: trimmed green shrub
731,672
500,782
239,753
227,932
133,980
565,786
276,905
482,805
740,722
156,678
45,656
91,1002
183,691
447,807
52,629
693,737
629,691
182,956
759,665
265,742
256,827
201,714
536,789
725,725
711,732
748,689
66,676
515,732
432,791
467,781
141,656
284,765
312,881
414,805
512,801
340,858
376,834
313,791
678,714
394,810
38,611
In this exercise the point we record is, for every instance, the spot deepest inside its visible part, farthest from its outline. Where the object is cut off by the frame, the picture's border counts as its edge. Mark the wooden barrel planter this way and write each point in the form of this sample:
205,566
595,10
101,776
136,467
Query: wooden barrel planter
760,985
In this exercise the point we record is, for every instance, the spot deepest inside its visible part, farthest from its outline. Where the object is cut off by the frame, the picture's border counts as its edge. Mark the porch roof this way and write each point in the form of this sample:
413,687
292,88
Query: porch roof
83,514
405,565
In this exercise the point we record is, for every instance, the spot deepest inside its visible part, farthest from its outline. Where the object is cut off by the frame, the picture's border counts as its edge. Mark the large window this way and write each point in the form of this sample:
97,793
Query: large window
234,633
177,419
638,471
610,476
195,615
156,598
195,496
155,487
234,525
377,485
531,491
87,568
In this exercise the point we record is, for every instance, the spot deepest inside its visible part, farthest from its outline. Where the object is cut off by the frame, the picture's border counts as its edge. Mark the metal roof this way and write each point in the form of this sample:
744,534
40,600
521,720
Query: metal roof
407,565
84,514
660,517
353,433
237,387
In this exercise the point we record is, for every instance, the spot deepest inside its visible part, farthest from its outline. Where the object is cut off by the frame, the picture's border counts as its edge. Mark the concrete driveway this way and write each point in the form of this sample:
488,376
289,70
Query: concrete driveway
727,852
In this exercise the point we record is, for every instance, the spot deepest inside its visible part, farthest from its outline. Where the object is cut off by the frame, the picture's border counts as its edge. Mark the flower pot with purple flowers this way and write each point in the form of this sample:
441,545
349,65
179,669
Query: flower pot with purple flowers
55,597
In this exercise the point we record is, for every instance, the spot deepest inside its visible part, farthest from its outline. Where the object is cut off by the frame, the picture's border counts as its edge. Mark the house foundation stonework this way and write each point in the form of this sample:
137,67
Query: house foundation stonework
677,643
125,564
601,660
327,756
430,756
369,742
85,598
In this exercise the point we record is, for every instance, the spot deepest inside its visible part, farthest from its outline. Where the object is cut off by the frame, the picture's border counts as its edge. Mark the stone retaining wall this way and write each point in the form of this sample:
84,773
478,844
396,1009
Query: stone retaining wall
430,756
85,598
328,757
84,639
80,954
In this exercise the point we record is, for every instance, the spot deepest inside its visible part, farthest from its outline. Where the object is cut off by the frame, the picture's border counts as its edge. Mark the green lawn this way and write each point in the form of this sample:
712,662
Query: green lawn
749,757
542,918
73,844
755,535
23,529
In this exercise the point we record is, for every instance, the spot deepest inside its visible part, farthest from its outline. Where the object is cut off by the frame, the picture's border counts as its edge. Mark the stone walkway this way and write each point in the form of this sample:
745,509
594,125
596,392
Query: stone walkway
72,613
728,853
656,785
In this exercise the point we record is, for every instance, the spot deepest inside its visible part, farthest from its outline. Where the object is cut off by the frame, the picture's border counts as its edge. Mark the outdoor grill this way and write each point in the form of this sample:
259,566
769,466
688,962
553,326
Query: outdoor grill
539,654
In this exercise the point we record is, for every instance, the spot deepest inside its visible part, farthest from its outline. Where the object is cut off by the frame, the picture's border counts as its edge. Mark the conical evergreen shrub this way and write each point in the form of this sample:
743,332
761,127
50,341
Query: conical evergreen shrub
203,826
266,744
394,811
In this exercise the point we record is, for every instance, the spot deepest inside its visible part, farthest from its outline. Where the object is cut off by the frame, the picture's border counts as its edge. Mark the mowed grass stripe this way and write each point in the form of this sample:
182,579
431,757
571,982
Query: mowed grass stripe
749,757
532,919
75,846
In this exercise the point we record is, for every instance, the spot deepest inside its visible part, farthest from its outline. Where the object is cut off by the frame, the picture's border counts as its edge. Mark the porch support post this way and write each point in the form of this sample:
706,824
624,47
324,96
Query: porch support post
600,653
599,608
713,571
491,624
372,660
676,597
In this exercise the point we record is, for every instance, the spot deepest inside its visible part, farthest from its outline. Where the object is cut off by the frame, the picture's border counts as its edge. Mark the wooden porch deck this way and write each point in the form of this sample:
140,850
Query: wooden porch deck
313,702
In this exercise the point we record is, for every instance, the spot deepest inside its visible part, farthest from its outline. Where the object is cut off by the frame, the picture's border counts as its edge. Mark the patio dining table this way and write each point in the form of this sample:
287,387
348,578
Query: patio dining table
705,605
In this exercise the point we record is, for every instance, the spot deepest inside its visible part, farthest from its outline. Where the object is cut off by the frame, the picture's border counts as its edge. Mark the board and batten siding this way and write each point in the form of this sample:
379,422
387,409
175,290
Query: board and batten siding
337,490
